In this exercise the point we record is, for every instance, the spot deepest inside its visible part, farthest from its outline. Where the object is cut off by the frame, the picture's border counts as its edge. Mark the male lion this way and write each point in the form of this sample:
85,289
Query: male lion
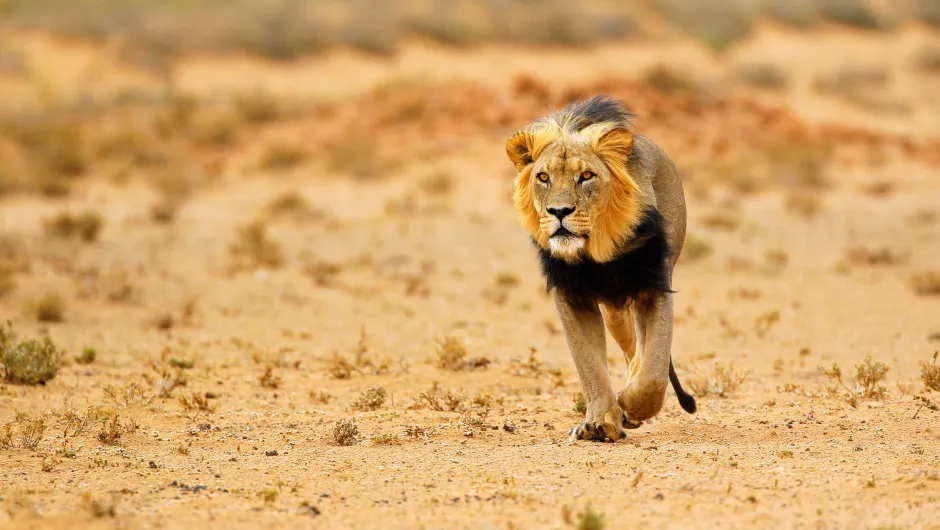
606,211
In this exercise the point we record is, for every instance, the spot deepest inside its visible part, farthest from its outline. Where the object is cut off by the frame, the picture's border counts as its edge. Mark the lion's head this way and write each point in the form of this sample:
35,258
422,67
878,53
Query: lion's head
573,192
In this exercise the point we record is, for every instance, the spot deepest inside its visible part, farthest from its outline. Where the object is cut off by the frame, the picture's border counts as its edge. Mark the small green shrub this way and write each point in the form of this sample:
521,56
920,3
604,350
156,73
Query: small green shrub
27,362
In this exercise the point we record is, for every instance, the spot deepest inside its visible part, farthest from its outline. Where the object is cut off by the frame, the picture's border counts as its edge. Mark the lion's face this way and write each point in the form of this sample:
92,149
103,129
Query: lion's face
569,184
572,191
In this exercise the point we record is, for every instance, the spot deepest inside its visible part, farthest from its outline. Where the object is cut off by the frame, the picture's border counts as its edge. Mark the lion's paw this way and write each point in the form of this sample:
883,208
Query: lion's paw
595,432
599,428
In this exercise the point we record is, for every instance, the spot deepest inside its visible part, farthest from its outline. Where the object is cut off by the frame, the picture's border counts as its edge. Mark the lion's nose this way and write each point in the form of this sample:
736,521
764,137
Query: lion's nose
560,213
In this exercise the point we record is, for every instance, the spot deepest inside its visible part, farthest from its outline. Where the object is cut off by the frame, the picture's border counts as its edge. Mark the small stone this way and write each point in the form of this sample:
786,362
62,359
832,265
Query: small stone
272,452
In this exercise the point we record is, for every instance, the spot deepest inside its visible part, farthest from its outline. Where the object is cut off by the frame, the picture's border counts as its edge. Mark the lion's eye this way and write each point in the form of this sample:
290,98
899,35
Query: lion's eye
543,177
587,175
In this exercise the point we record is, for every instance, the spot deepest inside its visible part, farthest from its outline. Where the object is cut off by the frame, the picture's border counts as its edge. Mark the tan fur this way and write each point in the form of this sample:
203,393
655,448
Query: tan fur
633,174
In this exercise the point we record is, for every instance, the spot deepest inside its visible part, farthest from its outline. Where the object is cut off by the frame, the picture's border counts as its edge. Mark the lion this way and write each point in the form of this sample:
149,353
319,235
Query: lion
606,211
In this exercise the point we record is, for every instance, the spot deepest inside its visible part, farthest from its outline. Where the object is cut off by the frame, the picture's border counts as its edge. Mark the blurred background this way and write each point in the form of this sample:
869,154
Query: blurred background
164,156
298,201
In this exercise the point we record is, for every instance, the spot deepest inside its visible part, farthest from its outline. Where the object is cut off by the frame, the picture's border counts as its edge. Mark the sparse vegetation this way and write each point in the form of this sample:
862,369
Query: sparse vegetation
85,226
452,355
669,80
50,308
868,376
128,395
371,399
100,507
587,519
723,381
28,362
112,430
257,108
386,439
269,380
253,248
197,401
437,398
321,396
859,255
926,283
345,432
930,374
87,356
25,433
281,156
580,406
763,75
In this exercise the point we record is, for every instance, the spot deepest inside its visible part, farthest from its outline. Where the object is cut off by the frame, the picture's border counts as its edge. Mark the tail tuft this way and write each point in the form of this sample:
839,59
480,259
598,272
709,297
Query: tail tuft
685,399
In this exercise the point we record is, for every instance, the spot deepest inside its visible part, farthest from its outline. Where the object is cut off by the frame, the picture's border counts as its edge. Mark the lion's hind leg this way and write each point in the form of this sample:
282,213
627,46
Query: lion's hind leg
621,326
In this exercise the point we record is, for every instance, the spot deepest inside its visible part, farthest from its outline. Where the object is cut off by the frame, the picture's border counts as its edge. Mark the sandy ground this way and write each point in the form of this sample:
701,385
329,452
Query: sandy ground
387,266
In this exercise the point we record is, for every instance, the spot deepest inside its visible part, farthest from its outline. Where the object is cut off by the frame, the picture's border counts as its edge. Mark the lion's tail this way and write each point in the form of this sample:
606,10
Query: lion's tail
685,399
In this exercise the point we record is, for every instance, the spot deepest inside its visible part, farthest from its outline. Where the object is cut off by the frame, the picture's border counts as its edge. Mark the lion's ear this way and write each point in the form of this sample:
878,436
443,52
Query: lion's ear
615,146
519,149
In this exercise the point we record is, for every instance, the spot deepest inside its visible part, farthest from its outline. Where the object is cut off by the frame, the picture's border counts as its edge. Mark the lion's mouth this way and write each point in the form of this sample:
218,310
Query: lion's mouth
564,232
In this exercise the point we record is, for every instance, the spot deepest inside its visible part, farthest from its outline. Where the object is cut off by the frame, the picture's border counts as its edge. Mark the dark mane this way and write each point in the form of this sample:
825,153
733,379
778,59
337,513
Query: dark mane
641,269
598,109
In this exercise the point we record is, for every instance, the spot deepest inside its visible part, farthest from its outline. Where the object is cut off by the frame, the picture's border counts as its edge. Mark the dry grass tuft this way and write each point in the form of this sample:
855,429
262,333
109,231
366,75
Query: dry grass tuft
926,283
452,355
803,202
580,406
669,80
763,75
100,507
112,430
7,283
28,432
321,396
436,398
292,204
282,156
859,255
168,376
723,381
88,356
28,362
531,367
340,367
197,401
371,399
174,185
722,220
587,519
868,376
928,60
345,432
50,308
358,157
128,395
253,248
439,184
257,108
85,226
269,380
930,374
386,439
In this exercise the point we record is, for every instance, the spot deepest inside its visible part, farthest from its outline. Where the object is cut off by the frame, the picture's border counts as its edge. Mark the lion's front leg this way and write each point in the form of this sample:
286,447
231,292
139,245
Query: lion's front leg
645,391
584,330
